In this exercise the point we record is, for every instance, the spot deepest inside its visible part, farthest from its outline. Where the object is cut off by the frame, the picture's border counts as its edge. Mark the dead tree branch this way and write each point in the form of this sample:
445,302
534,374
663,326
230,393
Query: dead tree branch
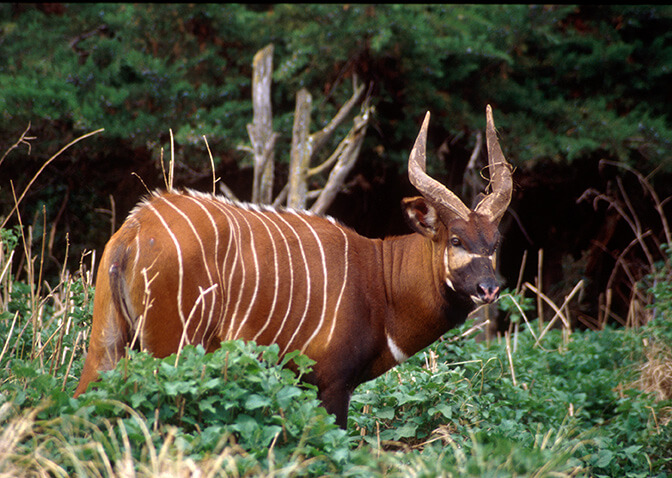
305,145
347,153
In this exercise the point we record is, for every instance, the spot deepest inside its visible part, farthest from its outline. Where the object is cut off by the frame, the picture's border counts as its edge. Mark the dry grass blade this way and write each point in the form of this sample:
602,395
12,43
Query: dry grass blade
646,185
558,311
629,269
212,166
171,169
23,139
656,372
510,357
521,311
46,163
12,433
9,336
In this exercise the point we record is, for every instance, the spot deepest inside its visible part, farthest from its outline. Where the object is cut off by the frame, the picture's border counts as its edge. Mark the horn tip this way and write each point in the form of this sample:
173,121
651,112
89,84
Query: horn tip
425,122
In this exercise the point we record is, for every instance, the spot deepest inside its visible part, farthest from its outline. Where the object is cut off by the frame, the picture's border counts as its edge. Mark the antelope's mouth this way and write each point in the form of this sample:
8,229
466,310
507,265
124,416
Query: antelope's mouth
488,292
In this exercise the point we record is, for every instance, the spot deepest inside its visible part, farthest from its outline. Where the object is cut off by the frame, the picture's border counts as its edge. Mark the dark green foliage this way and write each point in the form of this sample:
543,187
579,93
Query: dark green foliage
240,390
568,81
571,407
569,84
134,70
659,284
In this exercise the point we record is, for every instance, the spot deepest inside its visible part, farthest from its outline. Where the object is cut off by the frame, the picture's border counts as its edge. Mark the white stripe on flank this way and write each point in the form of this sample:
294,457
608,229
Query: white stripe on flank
211,285
226,295
263,218
236,260
324,289
234,238
291,274
196,234
308,280
239,297
201,204
344,281
201,294
253,300
180,266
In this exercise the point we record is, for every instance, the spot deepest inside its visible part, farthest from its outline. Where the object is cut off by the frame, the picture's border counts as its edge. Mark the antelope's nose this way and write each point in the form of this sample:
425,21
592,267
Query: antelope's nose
488,290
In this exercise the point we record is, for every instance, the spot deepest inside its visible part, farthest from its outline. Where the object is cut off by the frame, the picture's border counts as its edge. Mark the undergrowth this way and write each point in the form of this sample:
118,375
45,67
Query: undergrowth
568,405
539,401
574,409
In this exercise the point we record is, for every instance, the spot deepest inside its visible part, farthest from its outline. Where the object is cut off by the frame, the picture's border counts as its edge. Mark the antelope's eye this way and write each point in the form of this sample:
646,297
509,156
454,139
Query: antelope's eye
455,241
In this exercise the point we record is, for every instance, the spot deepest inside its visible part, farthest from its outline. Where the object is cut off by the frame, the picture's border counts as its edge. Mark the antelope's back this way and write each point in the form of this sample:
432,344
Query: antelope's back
221,270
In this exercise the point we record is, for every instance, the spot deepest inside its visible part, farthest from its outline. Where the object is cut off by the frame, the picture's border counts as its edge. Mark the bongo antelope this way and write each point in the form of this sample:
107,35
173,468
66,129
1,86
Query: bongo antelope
194,268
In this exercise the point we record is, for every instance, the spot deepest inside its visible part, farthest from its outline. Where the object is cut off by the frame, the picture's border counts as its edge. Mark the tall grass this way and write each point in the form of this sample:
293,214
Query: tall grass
540,400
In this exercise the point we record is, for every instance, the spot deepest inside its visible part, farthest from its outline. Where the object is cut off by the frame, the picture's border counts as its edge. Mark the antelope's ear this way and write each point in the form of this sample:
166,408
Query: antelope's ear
421,216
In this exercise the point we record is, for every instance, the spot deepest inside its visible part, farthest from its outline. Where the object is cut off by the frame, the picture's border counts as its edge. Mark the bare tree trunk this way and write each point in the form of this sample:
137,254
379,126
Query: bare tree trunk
260,130
301,152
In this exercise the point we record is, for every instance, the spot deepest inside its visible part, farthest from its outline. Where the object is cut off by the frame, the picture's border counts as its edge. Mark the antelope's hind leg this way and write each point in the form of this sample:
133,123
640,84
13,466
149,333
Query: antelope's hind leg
109,331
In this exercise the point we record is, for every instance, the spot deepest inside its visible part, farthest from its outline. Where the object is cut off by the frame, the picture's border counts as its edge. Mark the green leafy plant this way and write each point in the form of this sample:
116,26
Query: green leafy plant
241,395
659,284
570,409
515,304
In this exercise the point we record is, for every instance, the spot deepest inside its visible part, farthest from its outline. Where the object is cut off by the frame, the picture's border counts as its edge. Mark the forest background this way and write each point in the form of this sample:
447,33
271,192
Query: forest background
573,381
574,90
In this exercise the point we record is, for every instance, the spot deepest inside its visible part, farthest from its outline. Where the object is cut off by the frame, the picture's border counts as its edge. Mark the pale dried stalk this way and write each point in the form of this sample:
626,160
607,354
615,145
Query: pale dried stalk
507,336
626,210
212,165
522,313
72,359
9,336
548,301
46,163
347,158
658,204
558,313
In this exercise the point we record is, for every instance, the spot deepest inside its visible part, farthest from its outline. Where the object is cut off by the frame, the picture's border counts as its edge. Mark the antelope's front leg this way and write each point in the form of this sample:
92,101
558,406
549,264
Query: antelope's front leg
336,399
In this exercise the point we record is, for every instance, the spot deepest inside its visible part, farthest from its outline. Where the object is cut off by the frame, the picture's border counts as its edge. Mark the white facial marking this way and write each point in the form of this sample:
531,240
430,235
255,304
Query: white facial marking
449,283
397,353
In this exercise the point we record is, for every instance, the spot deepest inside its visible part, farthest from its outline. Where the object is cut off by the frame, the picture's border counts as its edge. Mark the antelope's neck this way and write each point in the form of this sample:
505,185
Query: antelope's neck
421,306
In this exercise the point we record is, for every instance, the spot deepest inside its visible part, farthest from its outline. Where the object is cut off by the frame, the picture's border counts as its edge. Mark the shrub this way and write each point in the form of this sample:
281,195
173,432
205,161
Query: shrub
239,397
